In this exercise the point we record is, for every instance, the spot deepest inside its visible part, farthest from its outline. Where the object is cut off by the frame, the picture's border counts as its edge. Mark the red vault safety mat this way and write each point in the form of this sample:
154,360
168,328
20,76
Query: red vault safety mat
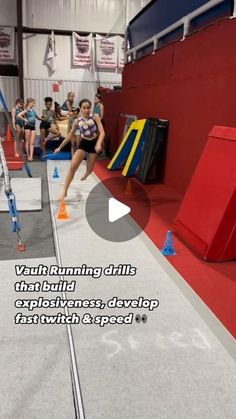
206,220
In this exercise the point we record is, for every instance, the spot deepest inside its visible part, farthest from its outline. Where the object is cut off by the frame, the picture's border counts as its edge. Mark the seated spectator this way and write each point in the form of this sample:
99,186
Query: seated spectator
67,106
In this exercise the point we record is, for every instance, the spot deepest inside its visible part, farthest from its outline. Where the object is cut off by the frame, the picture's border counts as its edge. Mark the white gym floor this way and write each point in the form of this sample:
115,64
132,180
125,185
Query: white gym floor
28,192
179,364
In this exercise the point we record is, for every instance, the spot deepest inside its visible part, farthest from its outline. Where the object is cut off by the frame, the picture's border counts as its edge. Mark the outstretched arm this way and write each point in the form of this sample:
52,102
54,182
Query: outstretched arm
68,137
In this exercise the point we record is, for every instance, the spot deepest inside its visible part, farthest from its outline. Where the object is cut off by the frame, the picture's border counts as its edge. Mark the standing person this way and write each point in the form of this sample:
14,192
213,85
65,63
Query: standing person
75,139
18,123
68,104
31,116
48,124
98,108
92,135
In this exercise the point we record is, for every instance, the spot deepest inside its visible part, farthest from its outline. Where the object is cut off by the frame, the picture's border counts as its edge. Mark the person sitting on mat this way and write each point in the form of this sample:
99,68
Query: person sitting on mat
48,125
62,121
68,104
31,116
58,113
92,135
18,123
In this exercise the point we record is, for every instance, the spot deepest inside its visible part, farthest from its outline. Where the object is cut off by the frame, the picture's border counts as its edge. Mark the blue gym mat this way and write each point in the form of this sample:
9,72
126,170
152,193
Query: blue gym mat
59,156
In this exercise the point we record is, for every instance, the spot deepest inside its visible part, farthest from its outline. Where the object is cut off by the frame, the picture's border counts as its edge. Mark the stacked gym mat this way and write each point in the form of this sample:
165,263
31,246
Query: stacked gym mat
141,146
130,149
153,147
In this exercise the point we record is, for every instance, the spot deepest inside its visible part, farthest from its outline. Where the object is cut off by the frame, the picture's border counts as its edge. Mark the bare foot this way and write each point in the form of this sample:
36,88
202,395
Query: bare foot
16,155
62,196
84,177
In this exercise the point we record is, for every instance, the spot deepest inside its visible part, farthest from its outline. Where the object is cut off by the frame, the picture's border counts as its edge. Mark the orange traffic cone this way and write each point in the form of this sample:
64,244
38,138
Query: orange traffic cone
129,188
8,133
62,213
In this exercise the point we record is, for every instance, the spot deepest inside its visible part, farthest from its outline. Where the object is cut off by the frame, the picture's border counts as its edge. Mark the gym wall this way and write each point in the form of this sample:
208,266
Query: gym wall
186,83
8,15
39,81
81,15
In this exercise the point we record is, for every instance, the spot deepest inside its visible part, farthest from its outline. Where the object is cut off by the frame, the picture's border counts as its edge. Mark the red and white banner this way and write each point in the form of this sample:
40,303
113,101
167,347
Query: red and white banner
82,50
121,51
106,52
7,44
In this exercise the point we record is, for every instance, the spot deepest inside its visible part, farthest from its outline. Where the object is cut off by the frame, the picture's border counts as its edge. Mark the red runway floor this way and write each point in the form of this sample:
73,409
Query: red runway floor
215,283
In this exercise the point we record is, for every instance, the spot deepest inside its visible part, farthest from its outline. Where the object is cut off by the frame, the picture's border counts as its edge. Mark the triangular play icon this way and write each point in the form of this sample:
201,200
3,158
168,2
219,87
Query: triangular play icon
117,210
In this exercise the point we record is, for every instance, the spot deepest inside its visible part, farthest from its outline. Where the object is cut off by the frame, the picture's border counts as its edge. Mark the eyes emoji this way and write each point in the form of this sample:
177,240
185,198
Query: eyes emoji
140,319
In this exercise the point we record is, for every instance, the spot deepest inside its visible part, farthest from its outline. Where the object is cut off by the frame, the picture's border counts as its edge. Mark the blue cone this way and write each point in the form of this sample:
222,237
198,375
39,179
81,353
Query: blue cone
55,173
168,248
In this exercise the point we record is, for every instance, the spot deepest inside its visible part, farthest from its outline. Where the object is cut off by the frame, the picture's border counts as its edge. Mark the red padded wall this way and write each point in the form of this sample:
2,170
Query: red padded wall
112,102
190,83
206,220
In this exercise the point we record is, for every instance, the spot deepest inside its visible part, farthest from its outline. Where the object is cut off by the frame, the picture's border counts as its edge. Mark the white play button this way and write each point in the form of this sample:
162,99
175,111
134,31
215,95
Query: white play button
117,210
115,215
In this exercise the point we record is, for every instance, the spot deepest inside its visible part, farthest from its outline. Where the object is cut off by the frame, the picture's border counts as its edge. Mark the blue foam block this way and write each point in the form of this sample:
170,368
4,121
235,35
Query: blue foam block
59,156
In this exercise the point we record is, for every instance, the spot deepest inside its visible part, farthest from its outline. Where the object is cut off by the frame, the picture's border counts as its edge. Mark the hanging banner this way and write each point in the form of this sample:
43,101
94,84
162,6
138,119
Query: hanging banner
106,52
82,50
121,52
7,44
51,52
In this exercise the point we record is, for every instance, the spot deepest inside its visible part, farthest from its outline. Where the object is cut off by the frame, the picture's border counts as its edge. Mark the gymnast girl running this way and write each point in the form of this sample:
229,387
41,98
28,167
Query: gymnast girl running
92,135
31,116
